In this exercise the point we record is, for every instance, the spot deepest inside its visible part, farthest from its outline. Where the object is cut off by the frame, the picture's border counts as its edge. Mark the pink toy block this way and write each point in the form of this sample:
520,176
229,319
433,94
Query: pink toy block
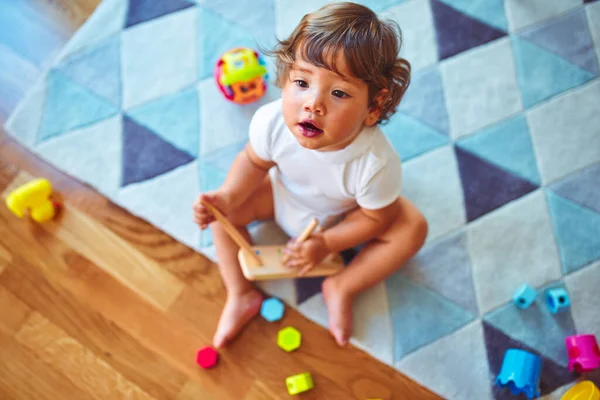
207,357
583,352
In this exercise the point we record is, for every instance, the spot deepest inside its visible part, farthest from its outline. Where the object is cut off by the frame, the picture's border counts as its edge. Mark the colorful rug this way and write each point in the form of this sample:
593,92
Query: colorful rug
499,133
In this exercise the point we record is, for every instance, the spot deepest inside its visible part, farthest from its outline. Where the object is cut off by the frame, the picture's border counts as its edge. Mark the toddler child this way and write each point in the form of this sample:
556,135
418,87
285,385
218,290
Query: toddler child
318,153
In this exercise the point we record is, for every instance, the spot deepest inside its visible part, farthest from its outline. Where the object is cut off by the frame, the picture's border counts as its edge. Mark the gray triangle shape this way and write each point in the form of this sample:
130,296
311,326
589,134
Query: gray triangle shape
444,266
582,187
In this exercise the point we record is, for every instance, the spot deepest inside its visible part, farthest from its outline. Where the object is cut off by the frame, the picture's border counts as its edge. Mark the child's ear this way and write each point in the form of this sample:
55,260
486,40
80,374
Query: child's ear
375,108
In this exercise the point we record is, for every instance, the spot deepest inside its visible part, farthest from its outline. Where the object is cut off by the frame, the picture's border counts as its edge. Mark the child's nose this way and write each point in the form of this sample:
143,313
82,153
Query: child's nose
314,104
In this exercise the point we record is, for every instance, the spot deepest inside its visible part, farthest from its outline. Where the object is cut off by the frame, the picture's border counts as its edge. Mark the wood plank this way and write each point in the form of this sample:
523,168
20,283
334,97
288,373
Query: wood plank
107,250
125,354
13,312
17,367
80,365
193,390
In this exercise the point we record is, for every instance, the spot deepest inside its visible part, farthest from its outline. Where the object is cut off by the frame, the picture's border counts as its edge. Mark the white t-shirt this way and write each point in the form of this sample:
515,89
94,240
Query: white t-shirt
366,173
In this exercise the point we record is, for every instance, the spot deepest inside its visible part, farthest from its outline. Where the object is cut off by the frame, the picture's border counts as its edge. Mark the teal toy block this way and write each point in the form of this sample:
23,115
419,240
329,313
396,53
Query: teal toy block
524,296
272,309
558,300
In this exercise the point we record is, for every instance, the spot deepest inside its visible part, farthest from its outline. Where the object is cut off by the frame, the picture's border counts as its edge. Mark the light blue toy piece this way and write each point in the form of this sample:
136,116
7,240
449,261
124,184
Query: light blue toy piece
558,300
272,309
521,373
524,296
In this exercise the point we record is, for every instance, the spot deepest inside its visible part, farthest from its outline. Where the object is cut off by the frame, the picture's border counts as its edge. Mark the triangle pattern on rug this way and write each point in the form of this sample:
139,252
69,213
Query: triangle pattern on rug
568,36
175,118
70,106
457,32
145,10
223,158
419,315
262,25
582,187
98,68
542,74
307,288
508,145
425,100
146,155
444,266
411,137
485,186
577,232
536,326
490,12
497,342
216,36
211,176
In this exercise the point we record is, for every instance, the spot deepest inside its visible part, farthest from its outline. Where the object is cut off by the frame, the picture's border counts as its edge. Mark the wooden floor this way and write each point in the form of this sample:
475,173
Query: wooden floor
98,304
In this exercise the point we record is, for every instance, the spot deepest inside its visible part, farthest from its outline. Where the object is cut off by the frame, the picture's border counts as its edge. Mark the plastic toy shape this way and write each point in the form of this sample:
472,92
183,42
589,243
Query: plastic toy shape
240,74
265,262
583,352
558,300
585,390
299,383
207,357
272,309
34,197
289,339
520,372
524,296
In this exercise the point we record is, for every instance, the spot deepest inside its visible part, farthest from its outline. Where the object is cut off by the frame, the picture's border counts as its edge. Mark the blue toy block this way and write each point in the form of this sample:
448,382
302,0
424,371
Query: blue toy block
558,300
520,372
524,296
272,309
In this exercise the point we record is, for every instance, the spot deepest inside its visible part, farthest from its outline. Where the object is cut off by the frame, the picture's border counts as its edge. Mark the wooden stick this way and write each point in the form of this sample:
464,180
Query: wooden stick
303,236
307,231
233,233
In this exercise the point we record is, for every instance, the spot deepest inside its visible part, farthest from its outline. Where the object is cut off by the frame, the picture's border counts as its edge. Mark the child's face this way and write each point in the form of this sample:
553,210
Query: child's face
325,111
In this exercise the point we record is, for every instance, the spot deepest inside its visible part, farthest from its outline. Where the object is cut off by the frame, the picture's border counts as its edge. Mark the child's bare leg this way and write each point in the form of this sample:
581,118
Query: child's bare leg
376,261
243,300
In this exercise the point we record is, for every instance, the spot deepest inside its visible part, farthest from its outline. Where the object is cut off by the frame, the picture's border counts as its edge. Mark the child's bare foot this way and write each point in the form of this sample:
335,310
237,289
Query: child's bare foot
339,308
238,311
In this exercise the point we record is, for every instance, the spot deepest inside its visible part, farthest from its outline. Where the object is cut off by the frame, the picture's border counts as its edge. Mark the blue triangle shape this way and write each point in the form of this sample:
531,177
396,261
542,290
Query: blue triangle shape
457,32
508,145
542,74
216,36
419,315
146,155
70,106
577,232
145,10
490,12
410,137
175,118
98,68
568,36
425,100
485,186
211,176
497,342
582,187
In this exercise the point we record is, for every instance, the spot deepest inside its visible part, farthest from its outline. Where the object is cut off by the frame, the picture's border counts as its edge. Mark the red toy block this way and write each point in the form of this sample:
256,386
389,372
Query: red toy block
207,357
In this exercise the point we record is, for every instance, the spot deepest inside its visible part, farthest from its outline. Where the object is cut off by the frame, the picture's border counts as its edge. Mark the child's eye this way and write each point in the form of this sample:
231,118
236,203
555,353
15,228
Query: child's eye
340,94
301,83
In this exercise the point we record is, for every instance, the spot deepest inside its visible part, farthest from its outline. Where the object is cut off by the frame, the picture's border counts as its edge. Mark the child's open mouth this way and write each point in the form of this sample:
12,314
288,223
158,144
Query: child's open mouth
309,129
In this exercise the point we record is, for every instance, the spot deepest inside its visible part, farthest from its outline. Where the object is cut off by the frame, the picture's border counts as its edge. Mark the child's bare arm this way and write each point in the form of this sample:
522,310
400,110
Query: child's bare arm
244,176
363,226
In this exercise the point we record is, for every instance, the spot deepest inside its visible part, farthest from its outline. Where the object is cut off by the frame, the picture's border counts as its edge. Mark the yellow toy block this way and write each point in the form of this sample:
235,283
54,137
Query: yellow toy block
299,383
35,197
289,339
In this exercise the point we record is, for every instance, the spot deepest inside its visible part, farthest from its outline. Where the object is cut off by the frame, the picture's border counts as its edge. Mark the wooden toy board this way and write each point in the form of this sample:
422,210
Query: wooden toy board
272,268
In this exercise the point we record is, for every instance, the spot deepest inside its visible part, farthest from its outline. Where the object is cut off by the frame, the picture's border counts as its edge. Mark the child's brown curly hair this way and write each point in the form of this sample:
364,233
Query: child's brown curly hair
369,44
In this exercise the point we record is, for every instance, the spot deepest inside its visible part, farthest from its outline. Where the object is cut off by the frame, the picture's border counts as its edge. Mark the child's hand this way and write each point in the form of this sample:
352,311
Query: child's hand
202,216
307,254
